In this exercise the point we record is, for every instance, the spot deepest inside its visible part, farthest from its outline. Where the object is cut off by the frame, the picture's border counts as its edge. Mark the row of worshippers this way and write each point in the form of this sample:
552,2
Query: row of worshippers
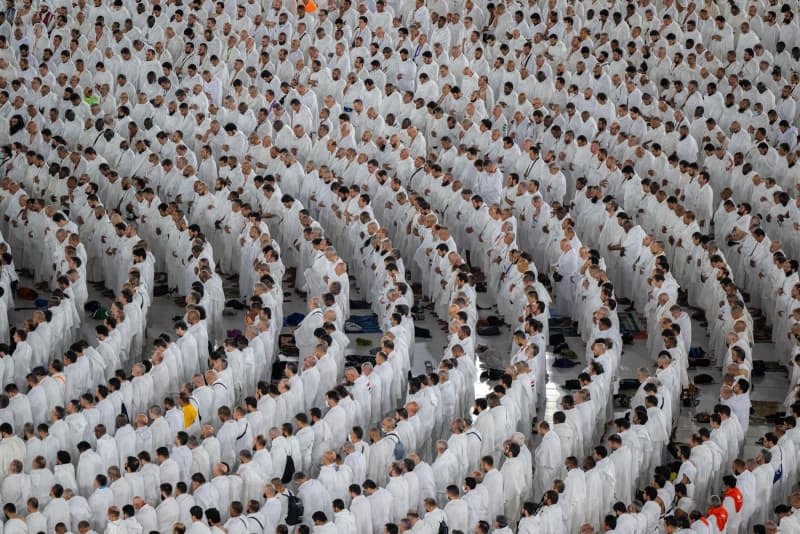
763,264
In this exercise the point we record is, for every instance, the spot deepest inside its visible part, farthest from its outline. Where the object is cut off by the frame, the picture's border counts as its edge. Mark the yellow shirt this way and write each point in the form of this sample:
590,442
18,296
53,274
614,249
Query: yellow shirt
189,415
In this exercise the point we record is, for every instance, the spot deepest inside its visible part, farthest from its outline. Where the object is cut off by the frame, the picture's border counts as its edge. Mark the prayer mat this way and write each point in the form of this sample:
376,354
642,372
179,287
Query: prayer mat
765,408
565,331
762,336
761,366
775,367
362,324
564,363
628,321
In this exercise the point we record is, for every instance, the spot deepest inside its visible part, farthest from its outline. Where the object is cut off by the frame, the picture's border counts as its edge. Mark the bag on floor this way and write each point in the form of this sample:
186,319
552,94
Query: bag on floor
491,375
696,352
569,354
293,319
564,363
26,293
290,351
560,348
572,384
629,383
689,396
422,333
703,379
493,320
703,418
160,291
235,304
488,330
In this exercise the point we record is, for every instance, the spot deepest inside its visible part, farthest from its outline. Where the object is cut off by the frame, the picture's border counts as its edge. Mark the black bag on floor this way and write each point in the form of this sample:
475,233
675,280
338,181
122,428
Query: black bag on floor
561,348
689,397
490,375
703,379
572,384
422,333
235,304
556,340
355,360
629,383
488,331
160,291
564,363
